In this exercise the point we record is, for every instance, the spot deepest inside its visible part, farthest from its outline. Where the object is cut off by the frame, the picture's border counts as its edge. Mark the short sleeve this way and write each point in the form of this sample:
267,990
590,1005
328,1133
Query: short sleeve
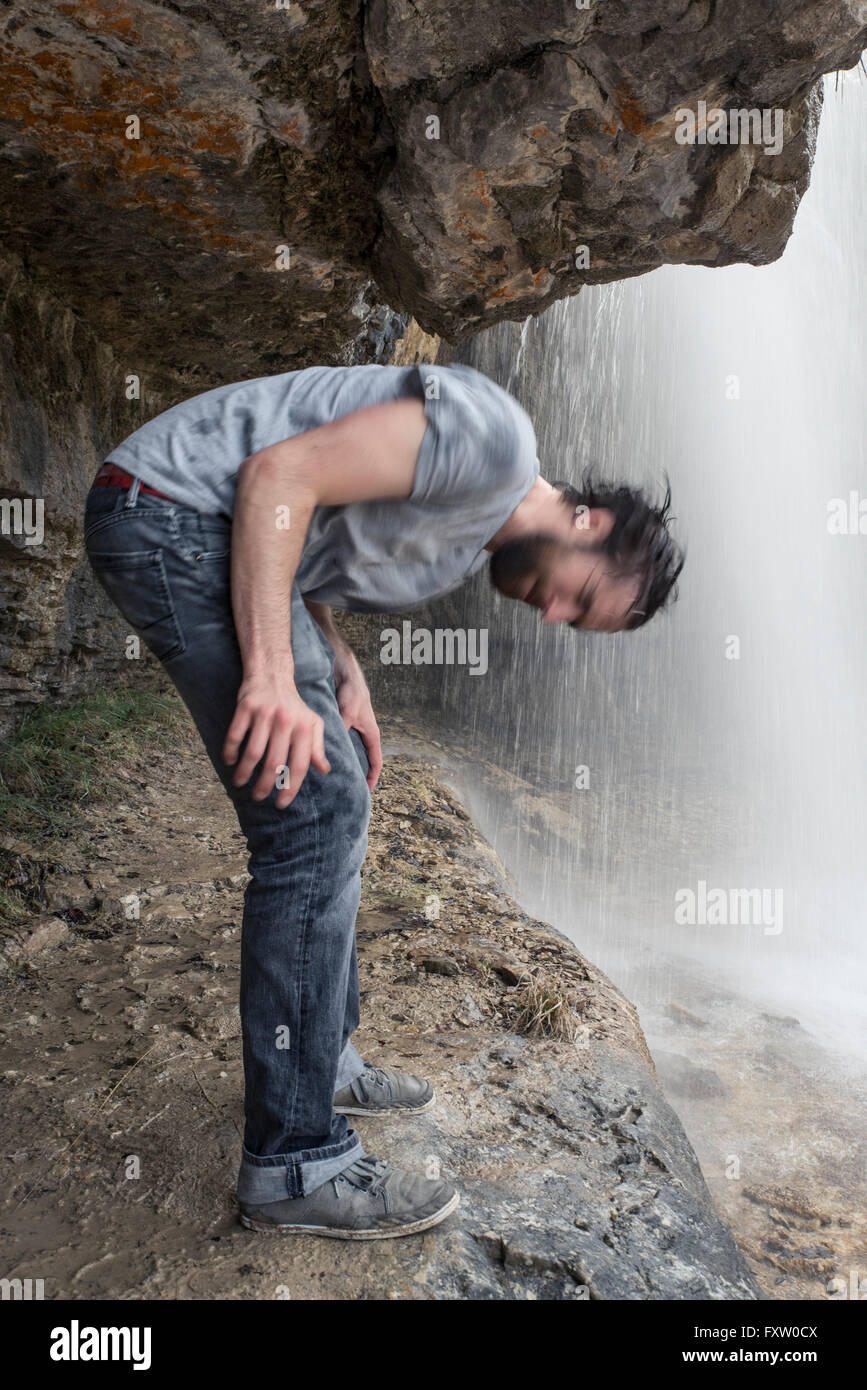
479,442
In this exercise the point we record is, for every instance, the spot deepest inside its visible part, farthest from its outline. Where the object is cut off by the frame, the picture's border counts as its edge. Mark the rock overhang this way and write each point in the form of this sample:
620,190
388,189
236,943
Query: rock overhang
214,187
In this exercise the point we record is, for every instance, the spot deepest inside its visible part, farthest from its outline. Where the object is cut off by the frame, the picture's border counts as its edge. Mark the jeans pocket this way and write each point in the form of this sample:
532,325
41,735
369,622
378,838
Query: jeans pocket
312,653
360,751
137,584
214,536
96,520
205,545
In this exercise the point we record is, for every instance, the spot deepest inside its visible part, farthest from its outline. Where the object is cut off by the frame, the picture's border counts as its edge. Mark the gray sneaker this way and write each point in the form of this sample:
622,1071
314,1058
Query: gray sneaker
381,1091
367,1201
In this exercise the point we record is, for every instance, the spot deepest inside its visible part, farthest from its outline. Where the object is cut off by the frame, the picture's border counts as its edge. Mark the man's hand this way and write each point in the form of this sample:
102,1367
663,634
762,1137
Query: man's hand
282,728
353,701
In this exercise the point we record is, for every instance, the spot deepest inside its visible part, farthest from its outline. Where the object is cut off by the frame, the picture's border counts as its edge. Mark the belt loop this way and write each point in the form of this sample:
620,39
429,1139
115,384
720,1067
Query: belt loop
132,495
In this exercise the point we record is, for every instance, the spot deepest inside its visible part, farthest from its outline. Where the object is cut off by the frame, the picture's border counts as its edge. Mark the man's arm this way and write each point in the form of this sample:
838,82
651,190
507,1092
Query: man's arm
362,457
324,619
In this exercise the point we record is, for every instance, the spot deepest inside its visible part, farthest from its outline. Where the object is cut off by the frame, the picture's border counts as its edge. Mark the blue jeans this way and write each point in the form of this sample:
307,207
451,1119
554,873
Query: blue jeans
166,568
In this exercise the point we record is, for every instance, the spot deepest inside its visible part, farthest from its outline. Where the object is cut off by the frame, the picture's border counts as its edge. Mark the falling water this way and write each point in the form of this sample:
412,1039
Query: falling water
739,763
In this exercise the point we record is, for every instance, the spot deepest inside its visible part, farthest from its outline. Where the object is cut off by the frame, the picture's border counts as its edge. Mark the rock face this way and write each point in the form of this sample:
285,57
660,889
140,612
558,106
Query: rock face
557,129
215,186
575,1176
197,180
63,405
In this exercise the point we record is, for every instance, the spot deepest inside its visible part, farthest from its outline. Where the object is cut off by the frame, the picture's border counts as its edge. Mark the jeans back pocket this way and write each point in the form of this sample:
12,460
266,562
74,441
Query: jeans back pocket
137,585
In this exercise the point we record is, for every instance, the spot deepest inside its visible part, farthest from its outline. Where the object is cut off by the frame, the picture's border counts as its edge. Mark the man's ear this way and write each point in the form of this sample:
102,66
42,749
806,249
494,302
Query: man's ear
596,522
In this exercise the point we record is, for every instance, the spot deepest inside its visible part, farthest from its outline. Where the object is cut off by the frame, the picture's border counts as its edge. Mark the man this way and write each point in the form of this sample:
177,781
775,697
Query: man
226,530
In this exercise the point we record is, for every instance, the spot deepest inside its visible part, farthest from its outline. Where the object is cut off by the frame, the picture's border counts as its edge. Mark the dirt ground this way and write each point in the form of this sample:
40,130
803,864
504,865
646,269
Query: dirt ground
122,1078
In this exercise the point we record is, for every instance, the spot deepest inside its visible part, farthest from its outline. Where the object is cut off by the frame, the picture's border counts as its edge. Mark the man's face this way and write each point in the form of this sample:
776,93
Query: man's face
567,583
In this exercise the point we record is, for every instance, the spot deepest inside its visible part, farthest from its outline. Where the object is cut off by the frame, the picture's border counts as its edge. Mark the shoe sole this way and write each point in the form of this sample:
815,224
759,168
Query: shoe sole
386,1109
340,1233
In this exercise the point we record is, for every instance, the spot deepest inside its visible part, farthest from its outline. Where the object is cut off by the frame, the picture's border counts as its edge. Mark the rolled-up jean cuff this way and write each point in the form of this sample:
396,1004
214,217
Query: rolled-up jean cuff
279,1176
349,1067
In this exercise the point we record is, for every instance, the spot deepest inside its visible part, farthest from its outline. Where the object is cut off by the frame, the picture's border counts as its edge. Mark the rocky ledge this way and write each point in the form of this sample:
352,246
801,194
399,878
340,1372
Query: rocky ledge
122,1043
223,189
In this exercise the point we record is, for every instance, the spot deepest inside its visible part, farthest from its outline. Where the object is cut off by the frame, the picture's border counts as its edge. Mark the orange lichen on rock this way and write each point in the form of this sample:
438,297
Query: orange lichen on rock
482,189
631,114
86,132
108,16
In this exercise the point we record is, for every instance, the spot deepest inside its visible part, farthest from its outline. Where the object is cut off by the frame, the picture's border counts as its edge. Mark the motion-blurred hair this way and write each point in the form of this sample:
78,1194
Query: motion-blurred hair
640,543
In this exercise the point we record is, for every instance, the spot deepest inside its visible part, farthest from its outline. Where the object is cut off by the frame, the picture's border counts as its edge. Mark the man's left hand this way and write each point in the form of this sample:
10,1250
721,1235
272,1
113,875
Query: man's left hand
353,701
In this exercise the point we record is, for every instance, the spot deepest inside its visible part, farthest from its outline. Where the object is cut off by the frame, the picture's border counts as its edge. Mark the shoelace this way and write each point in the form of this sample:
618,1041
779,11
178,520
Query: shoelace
371,1076
368,1174
376,1075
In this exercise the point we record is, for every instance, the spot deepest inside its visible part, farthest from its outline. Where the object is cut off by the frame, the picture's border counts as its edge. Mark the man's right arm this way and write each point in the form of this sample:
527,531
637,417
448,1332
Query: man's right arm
364,456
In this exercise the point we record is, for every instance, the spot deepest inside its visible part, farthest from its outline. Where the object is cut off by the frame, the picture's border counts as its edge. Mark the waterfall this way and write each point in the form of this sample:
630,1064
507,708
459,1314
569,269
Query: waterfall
745,386
726,742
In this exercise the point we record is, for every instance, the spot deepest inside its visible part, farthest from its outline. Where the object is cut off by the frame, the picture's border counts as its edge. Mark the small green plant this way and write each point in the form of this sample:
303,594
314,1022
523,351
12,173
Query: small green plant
14,906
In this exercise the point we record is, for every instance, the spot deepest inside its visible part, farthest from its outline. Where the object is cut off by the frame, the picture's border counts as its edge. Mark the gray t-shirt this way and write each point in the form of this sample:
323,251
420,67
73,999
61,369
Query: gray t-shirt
476,463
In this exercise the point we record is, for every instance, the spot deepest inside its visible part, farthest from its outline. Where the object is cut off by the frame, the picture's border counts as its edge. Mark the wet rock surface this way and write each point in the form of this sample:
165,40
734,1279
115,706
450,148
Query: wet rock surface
771,1109
556,130
122,1077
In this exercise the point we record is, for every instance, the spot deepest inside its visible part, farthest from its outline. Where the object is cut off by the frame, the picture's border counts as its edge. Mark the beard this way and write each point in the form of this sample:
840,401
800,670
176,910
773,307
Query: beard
517,561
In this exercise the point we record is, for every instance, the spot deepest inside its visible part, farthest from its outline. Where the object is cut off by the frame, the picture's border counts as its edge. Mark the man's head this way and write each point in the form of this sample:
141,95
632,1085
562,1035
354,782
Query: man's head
601,558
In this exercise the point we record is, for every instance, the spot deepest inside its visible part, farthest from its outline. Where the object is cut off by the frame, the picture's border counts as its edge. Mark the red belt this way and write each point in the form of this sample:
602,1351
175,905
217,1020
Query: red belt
110,475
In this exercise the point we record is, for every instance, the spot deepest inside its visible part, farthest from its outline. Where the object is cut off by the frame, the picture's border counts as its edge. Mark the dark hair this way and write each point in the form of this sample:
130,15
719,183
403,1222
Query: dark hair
639,541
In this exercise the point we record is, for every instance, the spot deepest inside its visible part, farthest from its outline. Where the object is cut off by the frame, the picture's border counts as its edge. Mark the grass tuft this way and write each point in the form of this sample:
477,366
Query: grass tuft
59,760
539,1008
62,756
